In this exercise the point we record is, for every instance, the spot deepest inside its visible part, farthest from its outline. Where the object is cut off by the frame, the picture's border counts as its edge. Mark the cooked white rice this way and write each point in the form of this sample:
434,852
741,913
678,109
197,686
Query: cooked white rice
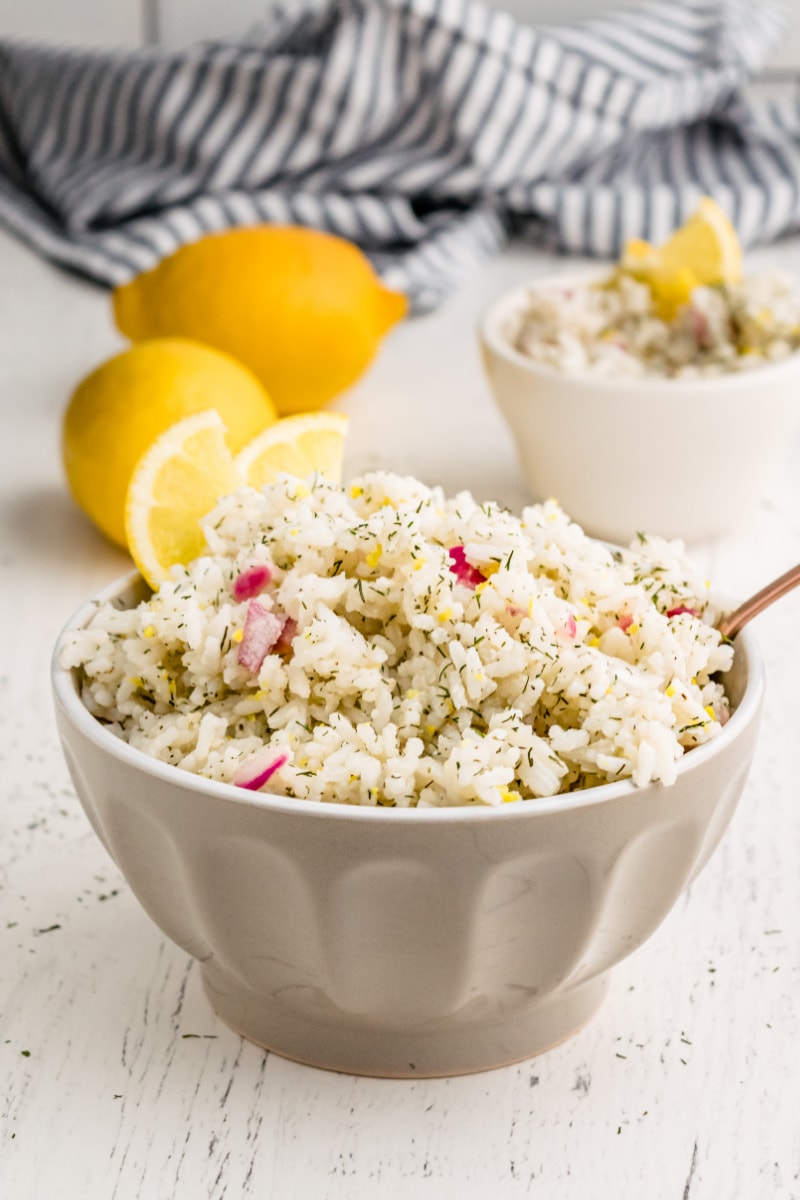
612,328
534,662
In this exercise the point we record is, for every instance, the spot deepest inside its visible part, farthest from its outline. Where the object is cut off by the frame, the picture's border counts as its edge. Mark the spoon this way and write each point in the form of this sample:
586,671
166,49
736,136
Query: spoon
730,625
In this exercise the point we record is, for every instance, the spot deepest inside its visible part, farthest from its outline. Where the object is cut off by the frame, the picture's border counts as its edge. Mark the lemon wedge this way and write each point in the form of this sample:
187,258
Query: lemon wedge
706,245
301,445
177,481
703,251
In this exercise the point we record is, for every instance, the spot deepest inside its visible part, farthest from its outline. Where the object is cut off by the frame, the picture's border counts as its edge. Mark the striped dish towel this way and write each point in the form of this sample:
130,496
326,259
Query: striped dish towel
427,131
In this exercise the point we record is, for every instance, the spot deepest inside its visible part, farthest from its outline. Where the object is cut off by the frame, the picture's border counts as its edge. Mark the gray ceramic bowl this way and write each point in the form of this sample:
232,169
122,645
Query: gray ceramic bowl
404,942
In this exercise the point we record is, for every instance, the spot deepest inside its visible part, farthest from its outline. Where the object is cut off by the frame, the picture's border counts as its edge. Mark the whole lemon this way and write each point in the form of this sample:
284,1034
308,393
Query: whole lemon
120,409
303,309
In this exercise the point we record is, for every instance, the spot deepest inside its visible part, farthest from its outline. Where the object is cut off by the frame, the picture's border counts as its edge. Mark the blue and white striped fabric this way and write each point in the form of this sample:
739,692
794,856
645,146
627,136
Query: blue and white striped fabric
428,131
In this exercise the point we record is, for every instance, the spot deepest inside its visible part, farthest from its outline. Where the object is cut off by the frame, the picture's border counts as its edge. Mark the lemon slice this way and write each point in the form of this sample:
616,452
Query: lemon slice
303,445
177,481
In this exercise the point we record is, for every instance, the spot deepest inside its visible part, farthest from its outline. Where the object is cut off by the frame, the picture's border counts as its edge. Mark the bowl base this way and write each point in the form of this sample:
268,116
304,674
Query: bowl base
357,1046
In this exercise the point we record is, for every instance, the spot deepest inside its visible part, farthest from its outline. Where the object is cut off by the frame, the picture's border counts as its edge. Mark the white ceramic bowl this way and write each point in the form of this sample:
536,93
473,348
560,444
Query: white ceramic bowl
678,458
404,942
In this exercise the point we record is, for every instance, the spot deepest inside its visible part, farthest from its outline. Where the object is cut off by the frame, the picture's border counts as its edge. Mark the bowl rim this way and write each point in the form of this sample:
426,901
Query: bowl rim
512,301
66,695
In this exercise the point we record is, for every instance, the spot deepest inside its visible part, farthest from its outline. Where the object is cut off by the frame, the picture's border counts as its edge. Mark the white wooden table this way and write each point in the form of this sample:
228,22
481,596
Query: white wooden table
118,1080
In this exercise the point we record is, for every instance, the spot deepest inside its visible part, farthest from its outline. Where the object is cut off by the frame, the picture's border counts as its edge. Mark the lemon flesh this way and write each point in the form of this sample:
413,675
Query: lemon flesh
301,445
120,408
301,308
179,479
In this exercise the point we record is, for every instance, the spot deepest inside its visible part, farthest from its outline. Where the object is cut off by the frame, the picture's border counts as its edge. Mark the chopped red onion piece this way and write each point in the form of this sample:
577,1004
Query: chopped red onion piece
287,634
251,582
569,629
254,772
462,569
261,631
681,608
700,328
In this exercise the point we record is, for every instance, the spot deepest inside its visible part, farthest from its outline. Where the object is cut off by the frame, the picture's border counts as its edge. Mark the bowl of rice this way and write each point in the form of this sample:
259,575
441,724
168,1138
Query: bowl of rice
406,773
638,420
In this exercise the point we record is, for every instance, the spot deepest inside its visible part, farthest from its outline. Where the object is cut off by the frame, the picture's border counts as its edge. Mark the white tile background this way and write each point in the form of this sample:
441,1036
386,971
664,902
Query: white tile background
131,22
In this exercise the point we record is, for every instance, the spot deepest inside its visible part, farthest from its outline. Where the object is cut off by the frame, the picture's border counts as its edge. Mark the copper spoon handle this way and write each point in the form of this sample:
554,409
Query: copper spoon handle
730,625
